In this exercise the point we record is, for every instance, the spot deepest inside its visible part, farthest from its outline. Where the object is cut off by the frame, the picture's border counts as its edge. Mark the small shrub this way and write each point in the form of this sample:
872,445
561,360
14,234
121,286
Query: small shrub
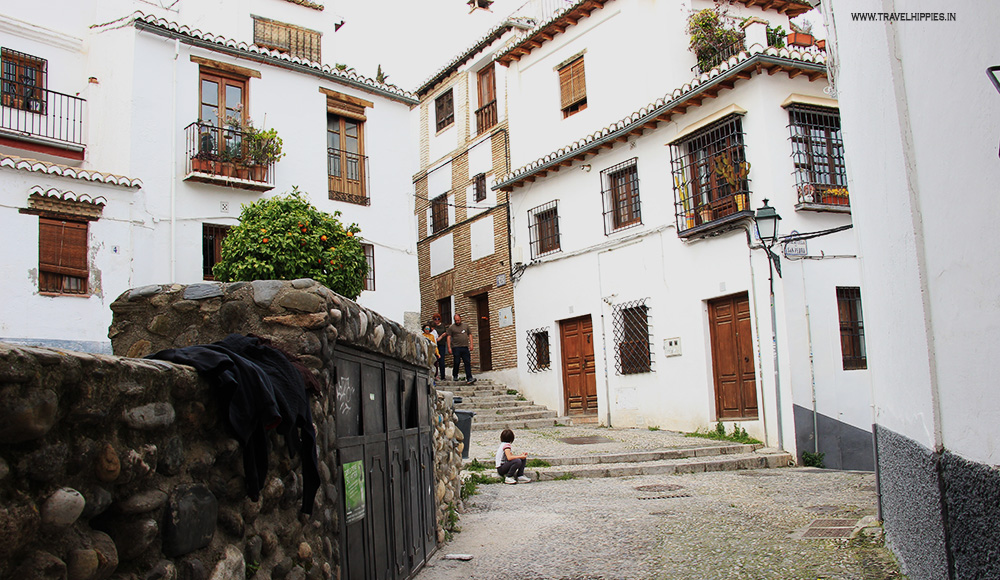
470,486
538,463
451,524
738,435
653,428
564,477
813,459
512,392
475,465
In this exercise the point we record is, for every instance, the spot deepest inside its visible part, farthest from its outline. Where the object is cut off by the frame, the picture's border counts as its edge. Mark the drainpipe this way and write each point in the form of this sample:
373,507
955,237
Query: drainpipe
756,329
812,376
604,342
173,166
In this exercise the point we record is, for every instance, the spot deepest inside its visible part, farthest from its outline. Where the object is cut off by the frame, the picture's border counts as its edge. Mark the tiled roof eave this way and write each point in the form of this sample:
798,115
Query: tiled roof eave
45,167
262,55
568,155
547,30
444,72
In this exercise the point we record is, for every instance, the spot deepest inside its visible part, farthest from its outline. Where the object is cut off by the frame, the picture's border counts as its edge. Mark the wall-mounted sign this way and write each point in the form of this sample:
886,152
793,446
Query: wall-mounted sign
505,316
795,247
354,491
501,280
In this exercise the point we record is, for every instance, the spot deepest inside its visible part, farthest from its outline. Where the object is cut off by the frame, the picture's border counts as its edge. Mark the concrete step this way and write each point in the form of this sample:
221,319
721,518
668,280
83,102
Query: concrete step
490,400
450,385
512,423
514,414
474,391
496,406
656,455
760,459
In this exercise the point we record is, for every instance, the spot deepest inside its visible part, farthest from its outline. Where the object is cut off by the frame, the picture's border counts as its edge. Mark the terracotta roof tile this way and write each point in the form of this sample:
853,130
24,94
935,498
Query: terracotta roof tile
25,164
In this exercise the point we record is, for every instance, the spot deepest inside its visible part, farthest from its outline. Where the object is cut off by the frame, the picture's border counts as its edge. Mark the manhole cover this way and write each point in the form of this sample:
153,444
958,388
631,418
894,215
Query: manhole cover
832,523
827,533
659,487
667,496
588,440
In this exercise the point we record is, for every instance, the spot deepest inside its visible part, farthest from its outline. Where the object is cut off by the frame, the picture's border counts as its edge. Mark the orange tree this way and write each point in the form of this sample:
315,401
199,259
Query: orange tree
285,237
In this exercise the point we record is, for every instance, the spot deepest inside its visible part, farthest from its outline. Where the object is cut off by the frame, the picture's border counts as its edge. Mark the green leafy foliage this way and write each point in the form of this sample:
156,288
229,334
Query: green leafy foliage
564,477
738,435
813,459
476,465
534,462
470,486
711,35
285,237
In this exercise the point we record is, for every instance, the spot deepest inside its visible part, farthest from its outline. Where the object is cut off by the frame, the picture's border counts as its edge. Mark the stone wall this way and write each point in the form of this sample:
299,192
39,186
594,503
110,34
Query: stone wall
448,445
123,468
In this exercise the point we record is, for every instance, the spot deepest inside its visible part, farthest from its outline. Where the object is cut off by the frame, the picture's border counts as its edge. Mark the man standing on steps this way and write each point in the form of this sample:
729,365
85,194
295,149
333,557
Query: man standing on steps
460,345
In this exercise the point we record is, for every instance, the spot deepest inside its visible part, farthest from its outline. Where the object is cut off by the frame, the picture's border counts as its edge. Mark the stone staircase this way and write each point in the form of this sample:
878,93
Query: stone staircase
495,409
722,457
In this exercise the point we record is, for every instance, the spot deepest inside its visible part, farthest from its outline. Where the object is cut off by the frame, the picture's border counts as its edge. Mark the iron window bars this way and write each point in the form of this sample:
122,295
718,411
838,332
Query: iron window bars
620,192
710,174
480,187
29,107
370,259
538,350
818,155
444,110
852,328
633,337
439,213
294,40
543,229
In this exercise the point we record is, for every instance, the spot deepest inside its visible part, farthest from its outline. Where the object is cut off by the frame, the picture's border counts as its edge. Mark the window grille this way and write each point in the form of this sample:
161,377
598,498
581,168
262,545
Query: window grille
572,88
543,229
620,190
212,236
439,213
62,256
370,259
346,163
23,81
538,350
710,174
444,110
294,40
633,338
480,187
818,155
852,328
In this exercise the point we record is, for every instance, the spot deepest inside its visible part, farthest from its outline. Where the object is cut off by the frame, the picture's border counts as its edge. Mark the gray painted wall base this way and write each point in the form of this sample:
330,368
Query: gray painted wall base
844,446
940,511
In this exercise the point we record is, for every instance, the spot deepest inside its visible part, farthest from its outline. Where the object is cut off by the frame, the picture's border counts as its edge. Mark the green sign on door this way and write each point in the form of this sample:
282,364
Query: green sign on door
354,491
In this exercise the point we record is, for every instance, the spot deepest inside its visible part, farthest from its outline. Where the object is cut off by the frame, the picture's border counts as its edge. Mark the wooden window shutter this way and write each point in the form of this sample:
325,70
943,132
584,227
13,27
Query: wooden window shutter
62,247
572,83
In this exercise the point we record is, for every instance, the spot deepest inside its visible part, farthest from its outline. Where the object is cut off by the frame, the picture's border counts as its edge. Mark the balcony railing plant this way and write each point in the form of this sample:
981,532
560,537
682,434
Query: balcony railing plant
723,193
237,150
486,116
37,112
820,194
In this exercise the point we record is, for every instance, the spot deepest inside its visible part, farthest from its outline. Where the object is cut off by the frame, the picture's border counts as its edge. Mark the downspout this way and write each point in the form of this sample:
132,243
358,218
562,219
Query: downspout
756,328
173,166
812,365
604,342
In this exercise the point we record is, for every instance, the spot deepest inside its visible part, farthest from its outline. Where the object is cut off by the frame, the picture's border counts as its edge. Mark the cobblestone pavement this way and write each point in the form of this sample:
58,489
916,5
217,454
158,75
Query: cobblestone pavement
746,525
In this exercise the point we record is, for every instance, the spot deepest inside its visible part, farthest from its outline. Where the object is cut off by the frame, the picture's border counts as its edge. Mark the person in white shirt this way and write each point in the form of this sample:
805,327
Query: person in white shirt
510,466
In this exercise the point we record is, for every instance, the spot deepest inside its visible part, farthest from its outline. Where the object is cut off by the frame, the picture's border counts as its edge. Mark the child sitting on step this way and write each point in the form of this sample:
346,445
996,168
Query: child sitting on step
510,466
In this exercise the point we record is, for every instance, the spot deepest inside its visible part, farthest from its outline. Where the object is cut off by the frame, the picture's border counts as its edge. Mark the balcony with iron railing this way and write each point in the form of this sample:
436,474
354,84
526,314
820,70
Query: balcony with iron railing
220,155
347,176
41,116
823,197
486,116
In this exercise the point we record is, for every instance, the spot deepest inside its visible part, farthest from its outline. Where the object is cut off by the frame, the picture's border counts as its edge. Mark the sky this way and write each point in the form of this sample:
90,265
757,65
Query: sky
411,39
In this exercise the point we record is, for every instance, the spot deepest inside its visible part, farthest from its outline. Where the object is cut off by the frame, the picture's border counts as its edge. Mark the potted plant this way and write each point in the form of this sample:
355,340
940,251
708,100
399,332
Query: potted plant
801,34
204,161
734,175
821,44
263,147
807,193
836,196
683,192
713,37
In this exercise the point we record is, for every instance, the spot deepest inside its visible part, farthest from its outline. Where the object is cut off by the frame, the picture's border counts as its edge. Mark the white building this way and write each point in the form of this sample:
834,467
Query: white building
925,177
138,124
642,298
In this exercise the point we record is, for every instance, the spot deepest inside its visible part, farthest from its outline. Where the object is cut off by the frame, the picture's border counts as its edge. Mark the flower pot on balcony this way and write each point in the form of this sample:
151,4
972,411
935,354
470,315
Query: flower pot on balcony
705,213
258,173
741,201
800,39
830,199
821,44
203,165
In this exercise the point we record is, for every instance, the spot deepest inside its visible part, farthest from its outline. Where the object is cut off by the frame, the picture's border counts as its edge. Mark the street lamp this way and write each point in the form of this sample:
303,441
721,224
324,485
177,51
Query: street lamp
767,230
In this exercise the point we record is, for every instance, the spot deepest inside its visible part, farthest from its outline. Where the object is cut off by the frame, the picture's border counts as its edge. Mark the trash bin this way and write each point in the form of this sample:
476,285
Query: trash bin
465,424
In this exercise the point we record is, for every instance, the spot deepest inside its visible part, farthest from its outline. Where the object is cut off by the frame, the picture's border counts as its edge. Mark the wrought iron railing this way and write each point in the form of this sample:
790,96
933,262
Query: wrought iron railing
38,112
347,173
486,116
711,57
223,152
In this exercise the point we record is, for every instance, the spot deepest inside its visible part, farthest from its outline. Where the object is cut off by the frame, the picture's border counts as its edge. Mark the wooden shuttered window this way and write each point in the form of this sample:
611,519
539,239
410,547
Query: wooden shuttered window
572,87
444,110
62,256
294,40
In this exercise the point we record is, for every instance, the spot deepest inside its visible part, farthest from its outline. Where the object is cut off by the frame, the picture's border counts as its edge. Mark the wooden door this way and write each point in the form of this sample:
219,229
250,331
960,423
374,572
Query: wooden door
579,371
732,357
485,346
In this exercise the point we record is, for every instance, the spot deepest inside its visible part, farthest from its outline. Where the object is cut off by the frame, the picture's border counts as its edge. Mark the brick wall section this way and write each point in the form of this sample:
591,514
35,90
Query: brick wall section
467,276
